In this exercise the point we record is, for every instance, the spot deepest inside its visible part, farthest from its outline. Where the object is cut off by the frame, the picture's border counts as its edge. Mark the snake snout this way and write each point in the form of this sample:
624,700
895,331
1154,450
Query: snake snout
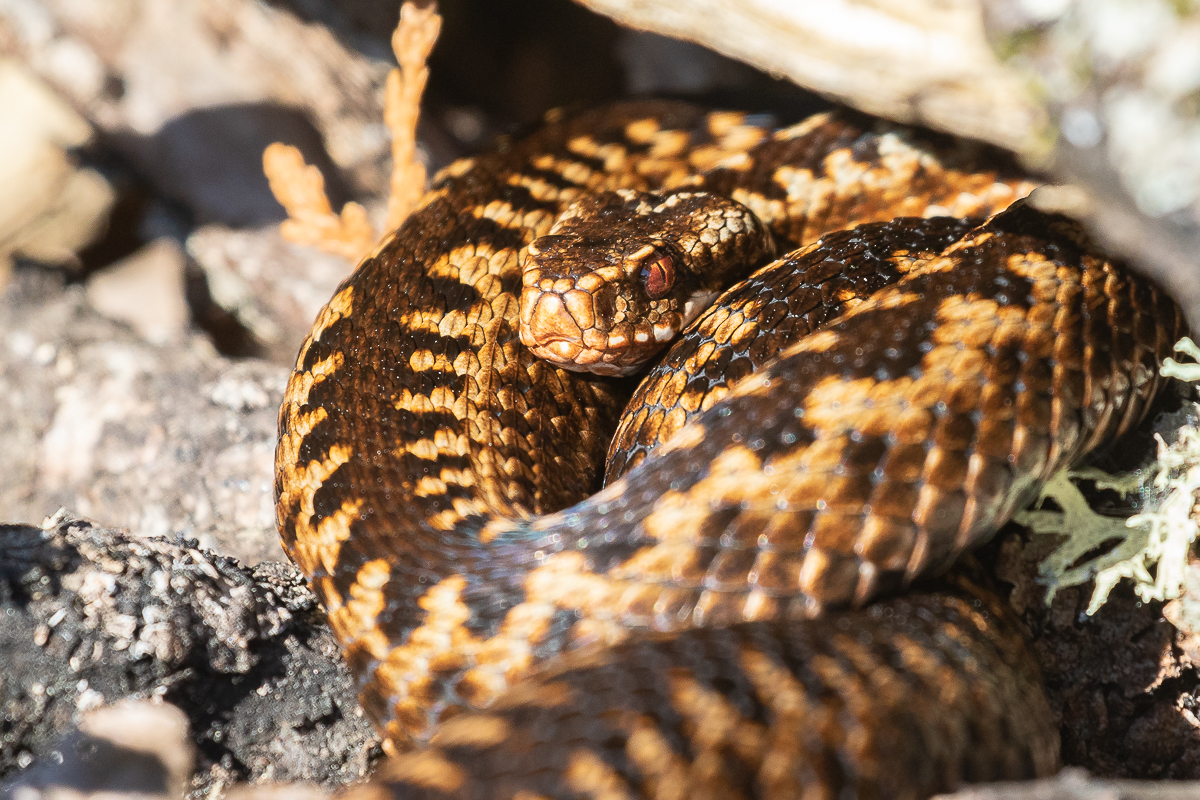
548,327
572,330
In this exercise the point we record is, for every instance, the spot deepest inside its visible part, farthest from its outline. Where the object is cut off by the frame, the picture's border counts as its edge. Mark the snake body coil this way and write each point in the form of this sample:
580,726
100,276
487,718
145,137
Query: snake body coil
425,457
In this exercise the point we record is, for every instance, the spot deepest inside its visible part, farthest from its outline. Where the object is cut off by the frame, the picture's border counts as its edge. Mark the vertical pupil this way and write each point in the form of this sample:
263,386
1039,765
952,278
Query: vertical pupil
656,276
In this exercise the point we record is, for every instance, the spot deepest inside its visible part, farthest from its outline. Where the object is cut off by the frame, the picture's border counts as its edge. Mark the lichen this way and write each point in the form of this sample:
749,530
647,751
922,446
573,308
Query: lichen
1151,547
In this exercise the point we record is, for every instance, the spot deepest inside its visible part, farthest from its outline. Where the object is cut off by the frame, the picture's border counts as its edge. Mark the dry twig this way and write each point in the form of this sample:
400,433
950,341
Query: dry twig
300,188
412,42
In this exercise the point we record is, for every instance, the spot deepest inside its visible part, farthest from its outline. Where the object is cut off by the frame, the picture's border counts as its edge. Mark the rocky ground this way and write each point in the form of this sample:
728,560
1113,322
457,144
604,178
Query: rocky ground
150,313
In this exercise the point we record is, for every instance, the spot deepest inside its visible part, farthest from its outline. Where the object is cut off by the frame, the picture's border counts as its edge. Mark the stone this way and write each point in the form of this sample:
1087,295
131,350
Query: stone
145,290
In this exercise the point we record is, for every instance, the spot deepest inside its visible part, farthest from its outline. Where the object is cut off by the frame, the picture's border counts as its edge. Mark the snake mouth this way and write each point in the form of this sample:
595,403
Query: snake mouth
569,353
575,337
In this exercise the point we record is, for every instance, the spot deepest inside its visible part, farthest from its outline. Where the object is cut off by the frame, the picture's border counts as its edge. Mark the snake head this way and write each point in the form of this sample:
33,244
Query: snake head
622,273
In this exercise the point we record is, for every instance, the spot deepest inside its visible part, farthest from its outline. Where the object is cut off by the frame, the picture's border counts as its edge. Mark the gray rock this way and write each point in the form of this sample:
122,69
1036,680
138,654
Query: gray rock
273,287
94,615
146,291
132,747
166,440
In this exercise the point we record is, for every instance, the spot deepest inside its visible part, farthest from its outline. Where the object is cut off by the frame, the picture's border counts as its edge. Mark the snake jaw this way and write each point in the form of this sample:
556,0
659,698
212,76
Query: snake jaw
550,331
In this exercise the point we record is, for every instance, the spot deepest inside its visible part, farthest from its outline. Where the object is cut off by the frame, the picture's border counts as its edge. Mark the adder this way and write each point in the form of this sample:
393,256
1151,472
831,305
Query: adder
747,610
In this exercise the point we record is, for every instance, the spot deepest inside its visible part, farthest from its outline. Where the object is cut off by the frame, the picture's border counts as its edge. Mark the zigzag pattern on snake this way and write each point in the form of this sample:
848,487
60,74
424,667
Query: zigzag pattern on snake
428,466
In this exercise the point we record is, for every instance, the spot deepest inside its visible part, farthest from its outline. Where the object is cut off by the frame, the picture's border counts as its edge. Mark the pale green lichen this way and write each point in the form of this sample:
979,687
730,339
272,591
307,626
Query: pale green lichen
1158,539
1184,372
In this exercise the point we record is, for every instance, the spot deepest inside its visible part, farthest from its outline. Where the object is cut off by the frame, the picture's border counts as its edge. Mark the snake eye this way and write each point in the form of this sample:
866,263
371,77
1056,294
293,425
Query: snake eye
658,275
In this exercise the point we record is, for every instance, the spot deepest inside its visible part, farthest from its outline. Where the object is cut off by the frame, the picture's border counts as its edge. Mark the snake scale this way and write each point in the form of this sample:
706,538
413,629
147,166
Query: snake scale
707,619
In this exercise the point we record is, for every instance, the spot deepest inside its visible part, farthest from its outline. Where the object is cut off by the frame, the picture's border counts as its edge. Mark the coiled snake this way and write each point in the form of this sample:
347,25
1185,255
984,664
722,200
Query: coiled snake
426,459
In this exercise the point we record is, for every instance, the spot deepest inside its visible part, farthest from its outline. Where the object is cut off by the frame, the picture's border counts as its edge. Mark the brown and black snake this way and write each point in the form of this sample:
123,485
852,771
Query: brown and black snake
709,624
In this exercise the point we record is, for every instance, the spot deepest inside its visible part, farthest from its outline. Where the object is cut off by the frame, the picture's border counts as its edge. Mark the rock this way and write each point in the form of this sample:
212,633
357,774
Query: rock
1119,82
1076,784
171,439
146,291
50,208
1100,94
273,287
95,615
130,747
920,61
192,92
